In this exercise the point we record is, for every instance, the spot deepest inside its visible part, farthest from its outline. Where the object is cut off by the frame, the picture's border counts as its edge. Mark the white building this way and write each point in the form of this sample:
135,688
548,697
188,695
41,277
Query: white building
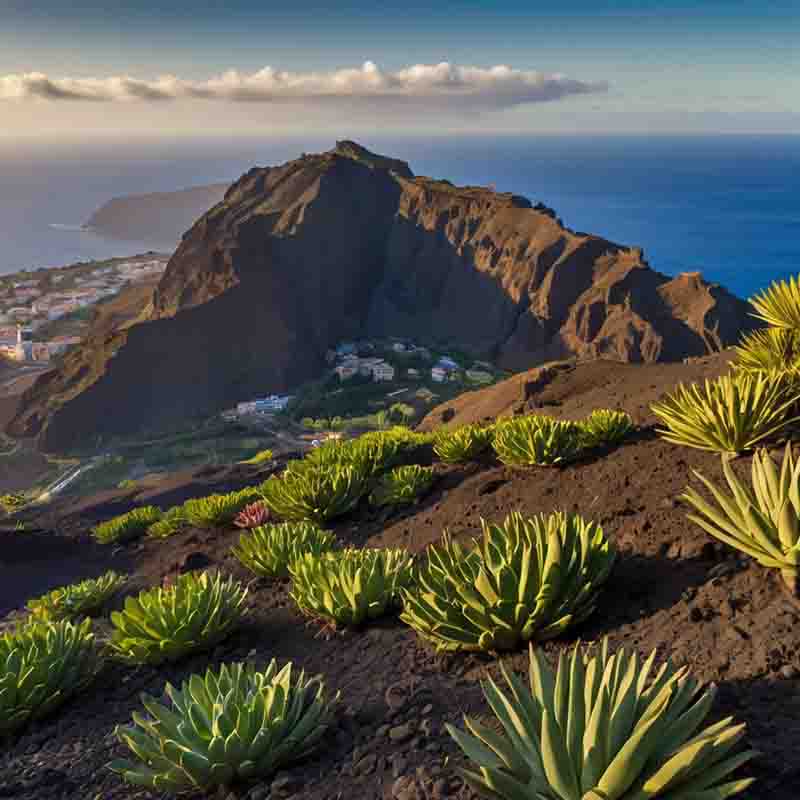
346,371
438,374
383,372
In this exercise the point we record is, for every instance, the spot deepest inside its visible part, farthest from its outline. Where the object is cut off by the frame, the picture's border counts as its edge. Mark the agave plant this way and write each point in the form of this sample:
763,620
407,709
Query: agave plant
171,522
262,457
217,510
269,550
729,415
763,520
773,350
252,515
77,599
167,623
602,727
402,485
779,305
316,493
42,664
463,444
527,579
529,440
349,587
126,526
604,427
234,724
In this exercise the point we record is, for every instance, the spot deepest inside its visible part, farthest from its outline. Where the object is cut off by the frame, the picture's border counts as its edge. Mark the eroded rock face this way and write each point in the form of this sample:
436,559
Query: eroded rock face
346,244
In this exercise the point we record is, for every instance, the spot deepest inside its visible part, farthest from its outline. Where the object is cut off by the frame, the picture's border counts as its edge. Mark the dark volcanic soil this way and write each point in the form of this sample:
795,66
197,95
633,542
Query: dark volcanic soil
674,589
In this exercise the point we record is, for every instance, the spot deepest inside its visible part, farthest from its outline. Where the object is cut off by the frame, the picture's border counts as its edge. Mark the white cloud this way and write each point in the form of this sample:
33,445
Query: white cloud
446,85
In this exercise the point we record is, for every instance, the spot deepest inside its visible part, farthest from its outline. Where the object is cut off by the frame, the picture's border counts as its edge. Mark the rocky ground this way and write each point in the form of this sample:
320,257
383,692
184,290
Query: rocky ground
673,589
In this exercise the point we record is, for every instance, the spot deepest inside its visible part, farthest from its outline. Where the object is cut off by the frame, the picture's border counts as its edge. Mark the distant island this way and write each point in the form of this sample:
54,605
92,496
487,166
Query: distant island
155,217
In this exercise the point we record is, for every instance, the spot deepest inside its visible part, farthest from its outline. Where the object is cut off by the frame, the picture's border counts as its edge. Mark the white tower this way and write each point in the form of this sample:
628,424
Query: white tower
24,350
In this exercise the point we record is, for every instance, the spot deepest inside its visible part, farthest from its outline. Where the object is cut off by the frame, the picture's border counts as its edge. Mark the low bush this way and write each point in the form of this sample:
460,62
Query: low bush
463,444
602,726
217,510
314,492
772,350
402,485
537,440
606,428
171,522
43,664
168,623
233,724
763,519
126,526
77,599
526,579
729,415
269,550
349,587
252,515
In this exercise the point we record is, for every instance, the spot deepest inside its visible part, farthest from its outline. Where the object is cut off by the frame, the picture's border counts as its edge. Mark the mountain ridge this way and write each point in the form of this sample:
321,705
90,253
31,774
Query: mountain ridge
348,243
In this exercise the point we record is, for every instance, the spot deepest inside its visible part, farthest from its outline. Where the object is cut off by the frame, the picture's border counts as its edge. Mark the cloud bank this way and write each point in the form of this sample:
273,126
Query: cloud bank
445,84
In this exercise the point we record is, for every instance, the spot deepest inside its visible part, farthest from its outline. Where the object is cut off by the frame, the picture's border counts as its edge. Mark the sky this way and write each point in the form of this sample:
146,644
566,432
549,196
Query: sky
242,67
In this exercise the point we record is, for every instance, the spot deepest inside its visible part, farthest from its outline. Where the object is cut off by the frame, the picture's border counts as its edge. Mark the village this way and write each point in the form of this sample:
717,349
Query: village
31,302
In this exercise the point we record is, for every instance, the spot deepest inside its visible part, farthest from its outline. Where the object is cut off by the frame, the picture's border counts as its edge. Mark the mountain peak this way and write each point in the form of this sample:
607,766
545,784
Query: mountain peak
350,149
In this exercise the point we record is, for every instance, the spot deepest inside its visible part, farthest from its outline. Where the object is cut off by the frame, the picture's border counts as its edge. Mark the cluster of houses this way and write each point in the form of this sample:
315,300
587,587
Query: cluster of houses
266,405
26,305
355,358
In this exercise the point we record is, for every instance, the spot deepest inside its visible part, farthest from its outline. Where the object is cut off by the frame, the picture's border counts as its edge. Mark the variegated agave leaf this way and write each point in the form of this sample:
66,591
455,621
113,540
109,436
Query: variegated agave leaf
762,519
270,549
126,526
234,724
537,440
402,485
602,727
168,623
352,586
43,664
217,509
779,304
773,350
526,579
605,427
729,415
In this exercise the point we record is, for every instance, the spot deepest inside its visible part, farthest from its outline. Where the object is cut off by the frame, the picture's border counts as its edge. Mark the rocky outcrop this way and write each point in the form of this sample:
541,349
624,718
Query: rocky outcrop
346,244
155,217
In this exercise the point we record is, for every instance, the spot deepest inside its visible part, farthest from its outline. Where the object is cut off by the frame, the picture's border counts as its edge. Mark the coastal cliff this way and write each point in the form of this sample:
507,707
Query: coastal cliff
345,244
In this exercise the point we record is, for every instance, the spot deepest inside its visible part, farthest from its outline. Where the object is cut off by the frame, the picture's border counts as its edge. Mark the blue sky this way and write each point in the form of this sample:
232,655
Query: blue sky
672,65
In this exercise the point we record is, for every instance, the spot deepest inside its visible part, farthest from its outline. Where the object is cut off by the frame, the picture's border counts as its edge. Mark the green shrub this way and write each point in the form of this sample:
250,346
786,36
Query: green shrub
605,428
270,549
763,519
234,724
126,526
729,415
779,305
463,444
317,493
402,485
261,457
170,523
42,664
537,440
349,587
527,579
168,623
77,599
602,727
217,510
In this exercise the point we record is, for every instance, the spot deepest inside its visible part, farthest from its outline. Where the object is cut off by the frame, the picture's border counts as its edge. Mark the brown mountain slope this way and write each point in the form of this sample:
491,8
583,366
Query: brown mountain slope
347,243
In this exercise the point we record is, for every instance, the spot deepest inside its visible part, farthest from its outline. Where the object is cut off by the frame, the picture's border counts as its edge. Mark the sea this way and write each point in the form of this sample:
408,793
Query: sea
727,205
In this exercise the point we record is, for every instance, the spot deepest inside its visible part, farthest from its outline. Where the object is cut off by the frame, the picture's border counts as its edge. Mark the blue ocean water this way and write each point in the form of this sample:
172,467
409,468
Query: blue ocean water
726,205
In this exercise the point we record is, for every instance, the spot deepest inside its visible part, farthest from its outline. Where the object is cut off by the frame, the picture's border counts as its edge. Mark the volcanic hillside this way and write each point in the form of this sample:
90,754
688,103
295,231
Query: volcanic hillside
346,244
673,588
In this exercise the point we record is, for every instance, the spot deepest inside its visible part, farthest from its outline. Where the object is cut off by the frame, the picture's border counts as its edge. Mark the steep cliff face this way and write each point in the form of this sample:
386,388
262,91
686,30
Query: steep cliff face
345,244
